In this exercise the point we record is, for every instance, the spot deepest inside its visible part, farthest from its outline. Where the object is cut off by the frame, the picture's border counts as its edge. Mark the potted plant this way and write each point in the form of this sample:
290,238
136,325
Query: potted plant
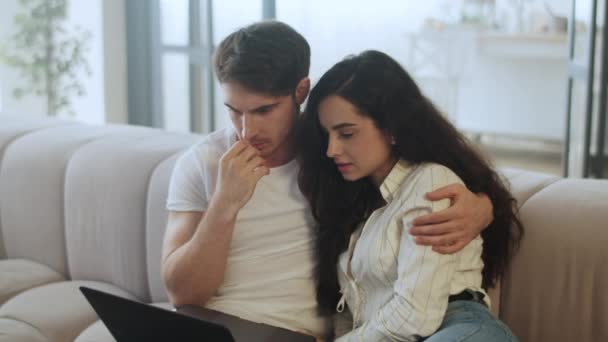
49,57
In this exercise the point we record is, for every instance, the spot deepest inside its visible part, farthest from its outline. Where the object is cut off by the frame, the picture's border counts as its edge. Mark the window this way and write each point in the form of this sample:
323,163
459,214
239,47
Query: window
500,70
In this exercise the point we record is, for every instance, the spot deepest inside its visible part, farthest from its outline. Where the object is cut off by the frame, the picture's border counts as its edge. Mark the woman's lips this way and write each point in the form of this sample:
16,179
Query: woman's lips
344,167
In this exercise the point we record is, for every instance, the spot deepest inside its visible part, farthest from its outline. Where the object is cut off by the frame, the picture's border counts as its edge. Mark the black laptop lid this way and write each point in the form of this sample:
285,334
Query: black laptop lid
128,320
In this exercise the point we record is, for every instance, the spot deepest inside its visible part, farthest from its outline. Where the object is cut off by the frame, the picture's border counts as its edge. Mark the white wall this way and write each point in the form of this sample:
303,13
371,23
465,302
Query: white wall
523,97
497,94
345,27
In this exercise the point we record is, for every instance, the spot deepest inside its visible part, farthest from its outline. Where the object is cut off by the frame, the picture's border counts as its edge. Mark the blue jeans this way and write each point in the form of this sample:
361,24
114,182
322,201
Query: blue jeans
469,321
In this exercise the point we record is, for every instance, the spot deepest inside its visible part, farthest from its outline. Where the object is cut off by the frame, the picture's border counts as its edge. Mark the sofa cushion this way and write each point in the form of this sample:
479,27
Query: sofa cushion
16,331
105,194
524,184
155,226
58,311
11,129
556,287
18,275
32,189
15,126
98,332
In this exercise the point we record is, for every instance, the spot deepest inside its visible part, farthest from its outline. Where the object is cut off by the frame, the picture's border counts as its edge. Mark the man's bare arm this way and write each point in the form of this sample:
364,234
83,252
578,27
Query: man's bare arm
195,251
196,244
450,230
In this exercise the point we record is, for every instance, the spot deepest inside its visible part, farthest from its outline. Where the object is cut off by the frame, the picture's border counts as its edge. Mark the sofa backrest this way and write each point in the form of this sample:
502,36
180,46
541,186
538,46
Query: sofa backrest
90,202
556,287
11,129
106,194
156,224
523,185
75,197
34,174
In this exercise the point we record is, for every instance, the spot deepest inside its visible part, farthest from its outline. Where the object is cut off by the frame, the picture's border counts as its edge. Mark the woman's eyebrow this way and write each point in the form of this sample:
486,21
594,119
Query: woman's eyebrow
343,125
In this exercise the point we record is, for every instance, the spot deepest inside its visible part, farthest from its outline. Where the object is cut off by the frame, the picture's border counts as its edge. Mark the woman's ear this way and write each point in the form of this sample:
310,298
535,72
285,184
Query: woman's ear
390,139
302,90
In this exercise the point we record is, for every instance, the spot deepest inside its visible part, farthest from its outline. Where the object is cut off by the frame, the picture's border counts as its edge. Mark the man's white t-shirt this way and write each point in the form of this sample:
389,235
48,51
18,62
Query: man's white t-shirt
269,273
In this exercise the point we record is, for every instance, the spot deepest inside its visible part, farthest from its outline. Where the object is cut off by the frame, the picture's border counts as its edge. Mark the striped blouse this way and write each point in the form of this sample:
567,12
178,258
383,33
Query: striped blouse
397,290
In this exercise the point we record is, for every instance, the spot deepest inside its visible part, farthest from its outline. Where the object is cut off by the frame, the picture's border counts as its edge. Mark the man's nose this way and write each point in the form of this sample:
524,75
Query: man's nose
249,127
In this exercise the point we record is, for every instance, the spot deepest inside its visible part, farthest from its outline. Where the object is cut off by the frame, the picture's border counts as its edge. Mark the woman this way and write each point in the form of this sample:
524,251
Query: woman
371,146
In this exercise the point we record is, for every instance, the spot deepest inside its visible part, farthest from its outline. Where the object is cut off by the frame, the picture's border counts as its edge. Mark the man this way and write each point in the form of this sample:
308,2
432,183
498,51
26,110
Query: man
239,236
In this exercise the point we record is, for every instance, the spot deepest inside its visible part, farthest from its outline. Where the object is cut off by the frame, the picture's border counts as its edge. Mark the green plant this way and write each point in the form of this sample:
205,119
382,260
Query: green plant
48,56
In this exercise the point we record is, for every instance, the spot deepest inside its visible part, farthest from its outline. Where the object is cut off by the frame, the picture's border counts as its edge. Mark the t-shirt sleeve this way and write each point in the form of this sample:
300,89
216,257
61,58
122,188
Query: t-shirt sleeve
186,188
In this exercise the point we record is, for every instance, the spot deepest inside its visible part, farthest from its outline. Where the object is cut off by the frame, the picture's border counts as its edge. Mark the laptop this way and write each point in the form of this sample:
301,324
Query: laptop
129,320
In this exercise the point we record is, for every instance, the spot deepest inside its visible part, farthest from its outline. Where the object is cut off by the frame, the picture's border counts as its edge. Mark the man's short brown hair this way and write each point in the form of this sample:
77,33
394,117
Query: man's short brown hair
267,57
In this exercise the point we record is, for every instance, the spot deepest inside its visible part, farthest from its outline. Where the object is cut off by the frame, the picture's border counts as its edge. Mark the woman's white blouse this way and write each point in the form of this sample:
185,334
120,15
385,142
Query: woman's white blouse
397,290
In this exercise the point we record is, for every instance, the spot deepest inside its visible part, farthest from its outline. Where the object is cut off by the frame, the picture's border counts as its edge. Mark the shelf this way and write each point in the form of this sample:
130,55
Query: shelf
527,46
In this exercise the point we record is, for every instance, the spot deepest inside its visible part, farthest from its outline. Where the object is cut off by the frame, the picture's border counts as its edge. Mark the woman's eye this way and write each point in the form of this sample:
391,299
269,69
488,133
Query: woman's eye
346,135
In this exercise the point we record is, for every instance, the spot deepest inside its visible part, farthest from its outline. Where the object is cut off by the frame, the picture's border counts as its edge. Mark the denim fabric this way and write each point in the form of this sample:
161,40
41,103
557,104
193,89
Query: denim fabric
469,321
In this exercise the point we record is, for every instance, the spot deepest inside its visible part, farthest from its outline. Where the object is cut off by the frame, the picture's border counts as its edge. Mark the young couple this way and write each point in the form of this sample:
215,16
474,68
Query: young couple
367,217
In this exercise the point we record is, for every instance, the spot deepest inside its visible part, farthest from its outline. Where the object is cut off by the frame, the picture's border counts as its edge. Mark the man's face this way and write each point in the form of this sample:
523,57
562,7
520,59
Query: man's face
265,121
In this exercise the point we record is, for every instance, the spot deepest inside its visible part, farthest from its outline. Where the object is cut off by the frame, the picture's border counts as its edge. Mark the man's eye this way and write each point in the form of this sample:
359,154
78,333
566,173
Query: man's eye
346,135
263,110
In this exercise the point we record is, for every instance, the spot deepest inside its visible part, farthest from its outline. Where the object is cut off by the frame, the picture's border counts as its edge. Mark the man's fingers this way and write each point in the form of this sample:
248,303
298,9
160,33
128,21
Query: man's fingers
260,171
451,249
439,240
235,150
433,230
448,191
256,161
257,166
248,153
434,218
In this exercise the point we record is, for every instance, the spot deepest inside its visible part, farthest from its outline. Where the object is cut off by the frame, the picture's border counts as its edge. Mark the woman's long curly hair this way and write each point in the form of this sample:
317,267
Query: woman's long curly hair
382,90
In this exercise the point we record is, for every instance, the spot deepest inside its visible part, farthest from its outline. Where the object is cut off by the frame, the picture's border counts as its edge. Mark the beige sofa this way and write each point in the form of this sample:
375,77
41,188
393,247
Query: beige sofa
84,204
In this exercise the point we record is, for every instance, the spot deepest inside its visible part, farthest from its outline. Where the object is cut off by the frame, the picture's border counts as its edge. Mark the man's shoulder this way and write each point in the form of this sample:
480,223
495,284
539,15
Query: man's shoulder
213,145
205,154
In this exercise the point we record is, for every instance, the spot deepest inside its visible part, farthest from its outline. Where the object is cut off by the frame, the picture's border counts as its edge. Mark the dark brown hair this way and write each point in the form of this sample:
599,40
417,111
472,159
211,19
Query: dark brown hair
382,90
267,57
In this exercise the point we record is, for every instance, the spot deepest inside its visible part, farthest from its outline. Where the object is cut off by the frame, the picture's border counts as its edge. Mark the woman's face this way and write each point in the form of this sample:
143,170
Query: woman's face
356,145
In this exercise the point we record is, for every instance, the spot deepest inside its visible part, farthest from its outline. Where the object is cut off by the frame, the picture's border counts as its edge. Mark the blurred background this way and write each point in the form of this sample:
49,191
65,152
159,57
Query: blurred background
524,79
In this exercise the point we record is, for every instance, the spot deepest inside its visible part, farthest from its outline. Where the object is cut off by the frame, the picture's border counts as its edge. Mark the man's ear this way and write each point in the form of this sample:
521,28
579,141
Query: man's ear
302,90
